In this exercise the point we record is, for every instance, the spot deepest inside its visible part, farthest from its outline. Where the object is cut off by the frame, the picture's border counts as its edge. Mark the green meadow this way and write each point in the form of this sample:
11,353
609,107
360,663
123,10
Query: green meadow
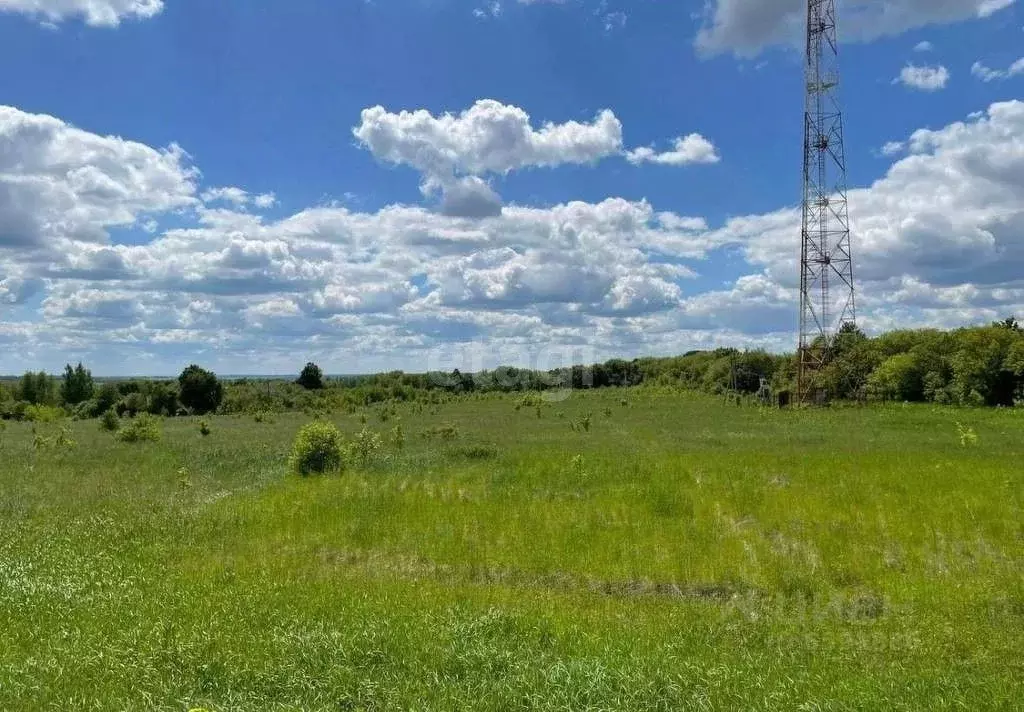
623,549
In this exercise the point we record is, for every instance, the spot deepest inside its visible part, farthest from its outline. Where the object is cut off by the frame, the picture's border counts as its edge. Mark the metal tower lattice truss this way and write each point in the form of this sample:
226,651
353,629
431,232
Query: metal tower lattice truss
826,265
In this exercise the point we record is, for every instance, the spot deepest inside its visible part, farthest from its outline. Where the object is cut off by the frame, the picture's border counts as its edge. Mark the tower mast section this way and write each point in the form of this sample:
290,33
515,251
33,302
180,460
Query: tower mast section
827,298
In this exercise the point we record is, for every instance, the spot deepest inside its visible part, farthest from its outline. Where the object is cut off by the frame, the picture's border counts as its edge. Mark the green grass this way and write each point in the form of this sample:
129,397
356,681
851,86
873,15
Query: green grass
681,554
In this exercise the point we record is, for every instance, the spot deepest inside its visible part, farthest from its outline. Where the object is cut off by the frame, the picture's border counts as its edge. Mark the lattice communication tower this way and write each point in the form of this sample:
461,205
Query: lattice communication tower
827,300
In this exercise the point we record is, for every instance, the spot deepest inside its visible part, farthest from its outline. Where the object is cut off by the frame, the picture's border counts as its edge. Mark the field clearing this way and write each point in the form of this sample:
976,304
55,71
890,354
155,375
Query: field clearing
678,553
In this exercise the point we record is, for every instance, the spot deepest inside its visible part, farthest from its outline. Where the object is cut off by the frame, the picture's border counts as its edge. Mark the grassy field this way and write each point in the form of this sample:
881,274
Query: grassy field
679,554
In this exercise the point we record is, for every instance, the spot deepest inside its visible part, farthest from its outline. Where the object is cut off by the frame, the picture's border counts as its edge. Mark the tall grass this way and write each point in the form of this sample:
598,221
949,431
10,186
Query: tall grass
678,553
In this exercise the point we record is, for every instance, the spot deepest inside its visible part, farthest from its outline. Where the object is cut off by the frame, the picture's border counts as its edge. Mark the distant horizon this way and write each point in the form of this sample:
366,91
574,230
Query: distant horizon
291,375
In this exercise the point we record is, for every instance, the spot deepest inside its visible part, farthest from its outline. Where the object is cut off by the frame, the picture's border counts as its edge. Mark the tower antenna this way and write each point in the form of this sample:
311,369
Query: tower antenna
827,300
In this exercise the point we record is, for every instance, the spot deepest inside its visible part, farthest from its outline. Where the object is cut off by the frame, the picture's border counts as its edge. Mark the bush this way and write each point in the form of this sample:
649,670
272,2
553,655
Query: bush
443,432
317,449
398,437
132,404
107,397
477,451
163,399
60,441
109,421
84,410
199,390
142,428
967,435
365,445
43,414
13,410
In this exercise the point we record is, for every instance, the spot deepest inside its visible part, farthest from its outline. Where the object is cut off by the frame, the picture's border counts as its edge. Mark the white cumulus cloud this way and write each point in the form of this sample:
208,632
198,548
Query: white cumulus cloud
454,152
489,137
939,240
99,13
693,148
746,27
987,74
59,182
923,78
949,214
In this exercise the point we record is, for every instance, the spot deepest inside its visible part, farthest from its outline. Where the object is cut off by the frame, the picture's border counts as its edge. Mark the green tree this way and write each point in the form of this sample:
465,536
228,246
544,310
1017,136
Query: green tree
26,390
846,377
897,378
199,390
848,337
1015,358
107,397
980,372
132,404
77,385
36,388
311,378
163,399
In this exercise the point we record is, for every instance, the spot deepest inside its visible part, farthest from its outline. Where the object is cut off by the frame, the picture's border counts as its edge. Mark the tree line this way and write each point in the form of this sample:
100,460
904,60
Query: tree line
968,366
196,391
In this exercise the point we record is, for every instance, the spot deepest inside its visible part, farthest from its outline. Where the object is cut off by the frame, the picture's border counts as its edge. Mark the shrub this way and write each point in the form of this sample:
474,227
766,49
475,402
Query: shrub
109,421
13,410
63,439
184,478
85,410
476,451
60,441
444,432
530,400
365,445
132,404
398,437
967,435
199,390
142,428
43,414
163,399
107,397
317,449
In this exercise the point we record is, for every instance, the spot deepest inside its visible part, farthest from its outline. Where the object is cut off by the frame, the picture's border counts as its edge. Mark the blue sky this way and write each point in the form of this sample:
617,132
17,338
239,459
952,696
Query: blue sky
368,238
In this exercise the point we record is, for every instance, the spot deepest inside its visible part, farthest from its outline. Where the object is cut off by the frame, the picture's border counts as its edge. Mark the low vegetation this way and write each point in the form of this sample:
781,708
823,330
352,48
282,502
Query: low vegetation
682,553
141,428
318,449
